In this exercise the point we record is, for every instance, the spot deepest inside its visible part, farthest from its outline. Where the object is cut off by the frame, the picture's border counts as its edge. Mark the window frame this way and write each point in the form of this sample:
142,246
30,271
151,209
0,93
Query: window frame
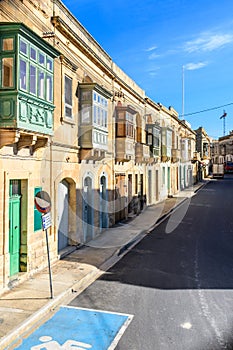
67,105
22,59
43,90
2,74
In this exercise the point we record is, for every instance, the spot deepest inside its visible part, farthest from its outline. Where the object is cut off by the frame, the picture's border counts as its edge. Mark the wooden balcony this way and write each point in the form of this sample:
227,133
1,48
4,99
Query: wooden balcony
175,155
125,149
142,153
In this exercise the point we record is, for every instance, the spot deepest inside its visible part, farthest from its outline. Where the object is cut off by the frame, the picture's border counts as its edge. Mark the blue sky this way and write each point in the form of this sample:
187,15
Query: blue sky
152,40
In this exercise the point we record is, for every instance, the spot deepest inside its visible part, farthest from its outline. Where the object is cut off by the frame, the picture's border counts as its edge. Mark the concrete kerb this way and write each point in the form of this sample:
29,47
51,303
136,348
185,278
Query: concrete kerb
8,341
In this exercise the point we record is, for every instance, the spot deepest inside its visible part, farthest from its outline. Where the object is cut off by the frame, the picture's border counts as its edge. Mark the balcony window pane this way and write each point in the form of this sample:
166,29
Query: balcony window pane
7,72
23,75
41,84
98,115
86,115
33,53
49,64
23,47
95,114
86,95
49,88
149,140
105,119
8,44
121,129
41,59
32,79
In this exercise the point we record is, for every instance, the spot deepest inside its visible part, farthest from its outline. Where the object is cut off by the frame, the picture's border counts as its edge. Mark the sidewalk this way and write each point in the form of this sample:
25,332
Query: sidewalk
22,307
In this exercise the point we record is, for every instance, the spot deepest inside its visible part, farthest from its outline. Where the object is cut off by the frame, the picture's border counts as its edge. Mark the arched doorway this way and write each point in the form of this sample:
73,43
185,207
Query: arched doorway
103,203
63,214
88,210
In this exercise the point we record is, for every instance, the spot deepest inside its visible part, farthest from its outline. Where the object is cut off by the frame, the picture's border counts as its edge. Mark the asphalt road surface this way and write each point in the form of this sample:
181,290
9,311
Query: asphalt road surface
178,281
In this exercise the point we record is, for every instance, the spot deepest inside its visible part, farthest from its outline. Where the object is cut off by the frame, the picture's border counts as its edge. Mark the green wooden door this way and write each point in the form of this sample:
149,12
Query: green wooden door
14,223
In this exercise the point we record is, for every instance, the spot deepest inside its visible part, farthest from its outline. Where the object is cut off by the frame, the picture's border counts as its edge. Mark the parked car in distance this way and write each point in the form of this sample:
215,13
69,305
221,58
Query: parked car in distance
229,167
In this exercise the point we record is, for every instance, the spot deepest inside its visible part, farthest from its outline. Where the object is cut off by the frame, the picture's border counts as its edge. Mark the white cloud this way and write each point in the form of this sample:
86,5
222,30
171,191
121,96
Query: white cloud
154,72
153,56
194,66
152,48
208,42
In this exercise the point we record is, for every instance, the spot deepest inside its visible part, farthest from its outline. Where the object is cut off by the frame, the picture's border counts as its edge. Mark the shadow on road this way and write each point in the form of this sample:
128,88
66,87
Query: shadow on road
198,254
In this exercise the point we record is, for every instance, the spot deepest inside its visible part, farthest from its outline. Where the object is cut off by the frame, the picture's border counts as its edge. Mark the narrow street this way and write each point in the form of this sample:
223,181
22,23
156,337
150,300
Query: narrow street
177,283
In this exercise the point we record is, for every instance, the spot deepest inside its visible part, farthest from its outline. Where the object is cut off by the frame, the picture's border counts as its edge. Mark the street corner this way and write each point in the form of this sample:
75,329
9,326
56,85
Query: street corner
78,328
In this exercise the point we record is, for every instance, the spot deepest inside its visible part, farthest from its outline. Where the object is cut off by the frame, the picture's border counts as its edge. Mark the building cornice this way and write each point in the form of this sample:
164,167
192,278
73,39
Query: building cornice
73,37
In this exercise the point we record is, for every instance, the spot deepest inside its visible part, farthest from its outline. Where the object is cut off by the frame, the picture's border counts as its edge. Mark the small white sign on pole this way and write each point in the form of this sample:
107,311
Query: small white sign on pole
46,221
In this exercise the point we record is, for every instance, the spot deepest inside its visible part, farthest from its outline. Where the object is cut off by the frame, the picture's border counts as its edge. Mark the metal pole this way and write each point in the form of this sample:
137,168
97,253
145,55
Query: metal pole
182,91
224,122
224,126
50,274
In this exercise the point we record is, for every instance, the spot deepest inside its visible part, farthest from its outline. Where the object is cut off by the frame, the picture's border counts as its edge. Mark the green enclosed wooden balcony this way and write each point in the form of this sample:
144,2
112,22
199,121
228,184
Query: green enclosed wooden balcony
26,82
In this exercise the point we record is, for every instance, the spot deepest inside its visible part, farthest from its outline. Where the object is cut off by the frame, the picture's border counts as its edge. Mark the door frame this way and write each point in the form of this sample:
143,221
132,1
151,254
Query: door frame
88,207
103,211
14,226
64,183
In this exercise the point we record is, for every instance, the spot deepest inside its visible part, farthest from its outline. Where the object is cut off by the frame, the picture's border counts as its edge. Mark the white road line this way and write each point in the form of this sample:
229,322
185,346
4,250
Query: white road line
97,310
120,333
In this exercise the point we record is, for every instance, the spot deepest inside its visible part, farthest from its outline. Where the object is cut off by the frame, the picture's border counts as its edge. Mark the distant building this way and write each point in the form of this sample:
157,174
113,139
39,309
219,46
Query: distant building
203,149
225,144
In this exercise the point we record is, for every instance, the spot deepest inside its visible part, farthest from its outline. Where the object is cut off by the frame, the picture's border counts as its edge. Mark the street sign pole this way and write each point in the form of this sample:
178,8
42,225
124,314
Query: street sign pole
43,205
50,272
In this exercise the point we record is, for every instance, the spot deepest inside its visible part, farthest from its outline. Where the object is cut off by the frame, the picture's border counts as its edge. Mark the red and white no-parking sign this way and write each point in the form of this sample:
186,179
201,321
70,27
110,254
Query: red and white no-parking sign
43,202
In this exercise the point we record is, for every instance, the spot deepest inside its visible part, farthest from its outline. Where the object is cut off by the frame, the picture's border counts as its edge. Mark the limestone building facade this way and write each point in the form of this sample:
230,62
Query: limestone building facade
73,124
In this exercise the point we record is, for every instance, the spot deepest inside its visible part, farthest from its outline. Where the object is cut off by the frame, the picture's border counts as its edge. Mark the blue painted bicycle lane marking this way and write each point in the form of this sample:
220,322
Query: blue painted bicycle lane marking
78,328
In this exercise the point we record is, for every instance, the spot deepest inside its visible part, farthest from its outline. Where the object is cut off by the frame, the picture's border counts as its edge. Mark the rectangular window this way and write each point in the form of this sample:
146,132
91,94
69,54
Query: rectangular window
149,139
95,114
41,59
68,97
7,72
33,53
49,88
120,129
157,138
105,118
129,129
23,75
8,44
98,113
169,138
49,64
136,183
23,47
41,84
15,187
32,79
163,175
86,96
37,214
86,114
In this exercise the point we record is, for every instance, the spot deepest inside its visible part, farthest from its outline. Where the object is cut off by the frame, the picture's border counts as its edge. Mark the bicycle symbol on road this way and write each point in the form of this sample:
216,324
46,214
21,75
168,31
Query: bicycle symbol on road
49,344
